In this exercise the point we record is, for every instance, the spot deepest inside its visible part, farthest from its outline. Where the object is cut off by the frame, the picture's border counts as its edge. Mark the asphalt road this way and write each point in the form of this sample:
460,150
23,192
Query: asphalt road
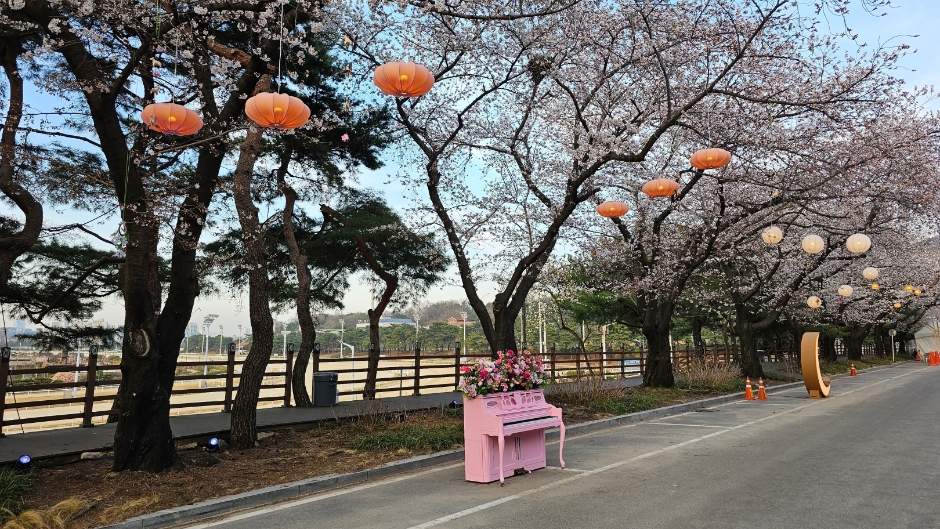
868,456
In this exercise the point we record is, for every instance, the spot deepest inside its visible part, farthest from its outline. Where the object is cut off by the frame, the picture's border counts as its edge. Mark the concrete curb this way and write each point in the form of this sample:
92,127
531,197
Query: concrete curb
287,491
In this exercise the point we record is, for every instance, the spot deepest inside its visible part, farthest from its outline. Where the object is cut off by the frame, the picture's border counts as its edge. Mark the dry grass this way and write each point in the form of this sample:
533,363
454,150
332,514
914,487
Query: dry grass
56,517
128,509
709,375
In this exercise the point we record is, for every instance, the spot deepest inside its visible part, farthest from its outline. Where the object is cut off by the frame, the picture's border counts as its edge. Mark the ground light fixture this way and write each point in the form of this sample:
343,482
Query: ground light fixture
213,444
24,462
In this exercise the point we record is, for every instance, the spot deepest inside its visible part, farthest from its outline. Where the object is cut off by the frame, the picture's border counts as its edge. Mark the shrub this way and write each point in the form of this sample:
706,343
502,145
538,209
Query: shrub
14,485
709,375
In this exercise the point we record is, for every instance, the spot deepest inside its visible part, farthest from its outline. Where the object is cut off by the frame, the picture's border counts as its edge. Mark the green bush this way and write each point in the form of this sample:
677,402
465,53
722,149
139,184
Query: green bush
410,437
14,484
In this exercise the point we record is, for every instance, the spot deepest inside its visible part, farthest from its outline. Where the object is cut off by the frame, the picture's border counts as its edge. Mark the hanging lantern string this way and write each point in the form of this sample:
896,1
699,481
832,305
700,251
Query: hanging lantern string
280,49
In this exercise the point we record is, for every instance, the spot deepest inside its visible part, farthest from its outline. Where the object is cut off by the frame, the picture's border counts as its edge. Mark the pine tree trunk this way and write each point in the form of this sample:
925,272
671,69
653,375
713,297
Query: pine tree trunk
244,409
143,439
308,331
15,245
375,348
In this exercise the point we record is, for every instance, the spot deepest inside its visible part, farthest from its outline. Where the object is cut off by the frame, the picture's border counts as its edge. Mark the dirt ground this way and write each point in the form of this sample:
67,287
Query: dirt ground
285,456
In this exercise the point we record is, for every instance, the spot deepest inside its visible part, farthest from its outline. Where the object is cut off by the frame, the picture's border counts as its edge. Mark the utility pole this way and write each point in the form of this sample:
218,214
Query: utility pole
239,346
220,339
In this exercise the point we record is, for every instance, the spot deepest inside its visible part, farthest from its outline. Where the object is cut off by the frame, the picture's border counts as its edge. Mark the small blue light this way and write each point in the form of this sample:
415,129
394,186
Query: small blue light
25,460
213,442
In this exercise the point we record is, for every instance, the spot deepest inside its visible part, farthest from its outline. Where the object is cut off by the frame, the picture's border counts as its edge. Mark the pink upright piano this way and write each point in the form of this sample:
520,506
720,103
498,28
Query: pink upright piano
505,433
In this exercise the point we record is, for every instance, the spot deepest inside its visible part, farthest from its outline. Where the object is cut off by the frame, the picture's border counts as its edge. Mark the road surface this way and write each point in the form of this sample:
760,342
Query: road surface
868,457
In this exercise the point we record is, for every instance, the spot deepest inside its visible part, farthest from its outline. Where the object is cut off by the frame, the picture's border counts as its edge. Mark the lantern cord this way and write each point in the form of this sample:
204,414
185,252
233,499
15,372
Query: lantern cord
280,49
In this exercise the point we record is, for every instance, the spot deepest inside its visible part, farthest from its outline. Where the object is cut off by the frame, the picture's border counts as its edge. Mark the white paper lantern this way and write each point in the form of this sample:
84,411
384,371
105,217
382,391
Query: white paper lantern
814,302
858,243
772,235
845,291
813,244
870,273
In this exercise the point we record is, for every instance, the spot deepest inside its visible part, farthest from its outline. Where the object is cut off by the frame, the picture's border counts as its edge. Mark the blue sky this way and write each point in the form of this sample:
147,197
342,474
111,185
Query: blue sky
900,23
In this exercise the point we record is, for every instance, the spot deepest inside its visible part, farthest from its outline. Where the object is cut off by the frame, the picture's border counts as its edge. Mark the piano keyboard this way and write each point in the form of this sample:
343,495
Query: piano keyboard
534,424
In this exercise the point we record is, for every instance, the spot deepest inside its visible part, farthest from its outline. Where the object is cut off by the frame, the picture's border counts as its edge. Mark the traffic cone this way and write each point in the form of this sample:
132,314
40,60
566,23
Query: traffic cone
852,371
748,394
761,394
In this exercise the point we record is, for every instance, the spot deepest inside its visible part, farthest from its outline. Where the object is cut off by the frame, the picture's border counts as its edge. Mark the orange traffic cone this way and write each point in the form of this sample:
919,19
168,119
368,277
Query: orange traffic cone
852,371
748,394
761,394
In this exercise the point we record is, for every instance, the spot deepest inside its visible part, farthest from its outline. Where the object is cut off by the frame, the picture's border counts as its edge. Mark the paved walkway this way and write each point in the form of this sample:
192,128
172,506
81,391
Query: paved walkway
863,458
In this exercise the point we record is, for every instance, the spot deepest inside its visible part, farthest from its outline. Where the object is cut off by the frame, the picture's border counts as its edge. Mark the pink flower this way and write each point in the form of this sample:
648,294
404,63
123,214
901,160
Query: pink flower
344,137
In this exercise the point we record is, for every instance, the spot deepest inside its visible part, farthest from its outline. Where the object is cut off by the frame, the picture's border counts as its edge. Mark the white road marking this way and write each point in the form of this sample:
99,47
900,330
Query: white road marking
566,469
692,425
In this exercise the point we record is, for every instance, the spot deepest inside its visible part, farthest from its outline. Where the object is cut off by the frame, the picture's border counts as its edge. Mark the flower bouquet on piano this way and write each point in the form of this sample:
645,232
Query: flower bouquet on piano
510,371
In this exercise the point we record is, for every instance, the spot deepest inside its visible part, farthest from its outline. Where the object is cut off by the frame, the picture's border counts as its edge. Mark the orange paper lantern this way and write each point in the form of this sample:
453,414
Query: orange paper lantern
613,208
403,79
277,111
661,187
710,159
172,119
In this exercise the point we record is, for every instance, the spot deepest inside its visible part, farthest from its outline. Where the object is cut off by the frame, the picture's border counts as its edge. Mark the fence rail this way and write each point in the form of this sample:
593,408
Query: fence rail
411,371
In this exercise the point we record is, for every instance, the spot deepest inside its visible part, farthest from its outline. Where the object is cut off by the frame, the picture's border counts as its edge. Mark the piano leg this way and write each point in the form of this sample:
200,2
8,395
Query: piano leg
561,444
502,443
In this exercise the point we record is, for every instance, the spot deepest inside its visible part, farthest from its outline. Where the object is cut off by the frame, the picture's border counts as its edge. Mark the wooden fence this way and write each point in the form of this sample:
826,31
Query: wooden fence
413,371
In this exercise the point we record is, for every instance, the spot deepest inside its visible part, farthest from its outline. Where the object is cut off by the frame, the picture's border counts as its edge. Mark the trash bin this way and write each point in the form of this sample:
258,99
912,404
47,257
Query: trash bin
324,388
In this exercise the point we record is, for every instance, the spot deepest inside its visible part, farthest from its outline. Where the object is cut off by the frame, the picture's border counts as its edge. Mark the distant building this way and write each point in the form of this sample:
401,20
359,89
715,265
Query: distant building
386,322
192,330
20,325
458,322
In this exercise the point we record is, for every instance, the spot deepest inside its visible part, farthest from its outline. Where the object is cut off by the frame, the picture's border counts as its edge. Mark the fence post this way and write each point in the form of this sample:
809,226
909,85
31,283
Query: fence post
4,376
90,386
553,362
417,390
623,360
456,364
229,379
288,373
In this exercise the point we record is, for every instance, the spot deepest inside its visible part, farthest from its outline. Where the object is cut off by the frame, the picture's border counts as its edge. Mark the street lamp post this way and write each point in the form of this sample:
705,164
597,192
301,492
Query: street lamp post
239,338
220,339
284,333
892,333
463,318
